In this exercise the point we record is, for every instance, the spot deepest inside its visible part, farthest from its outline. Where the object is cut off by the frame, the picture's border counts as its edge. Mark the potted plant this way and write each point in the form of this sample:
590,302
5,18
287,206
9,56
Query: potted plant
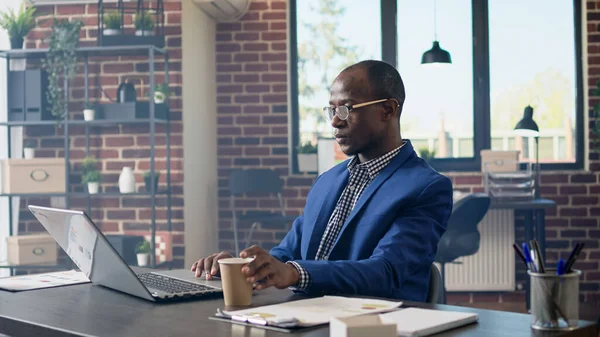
112,23
61,62
144,24
143,253
17,25
307,157
161,91
29,149
88,112
148,182
90,175
426,154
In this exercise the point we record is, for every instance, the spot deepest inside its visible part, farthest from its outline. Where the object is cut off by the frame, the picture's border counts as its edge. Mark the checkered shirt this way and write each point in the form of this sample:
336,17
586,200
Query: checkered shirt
361,175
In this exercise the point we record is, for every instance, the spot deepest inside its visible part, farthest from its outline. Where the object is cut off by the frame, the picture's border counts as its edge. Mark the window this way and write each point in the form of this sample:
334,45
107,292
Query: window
502,61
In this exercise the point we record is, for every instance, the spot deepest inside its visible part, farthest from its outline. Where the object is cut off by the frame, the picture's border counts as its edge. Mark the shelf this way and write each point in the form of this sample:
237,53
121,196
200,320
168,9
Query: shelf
82,194
86,51
97,122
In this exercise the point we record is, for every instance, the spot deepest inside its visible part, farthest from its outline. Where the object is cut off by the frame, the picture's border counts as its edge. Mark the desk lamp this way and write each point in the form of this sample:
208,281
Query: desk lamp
527,127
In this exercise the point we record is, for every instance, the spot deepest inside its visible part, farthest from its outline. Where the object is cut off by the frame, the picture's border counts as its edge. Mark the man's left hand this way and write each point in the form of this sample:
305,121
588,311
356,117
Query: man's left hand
267,270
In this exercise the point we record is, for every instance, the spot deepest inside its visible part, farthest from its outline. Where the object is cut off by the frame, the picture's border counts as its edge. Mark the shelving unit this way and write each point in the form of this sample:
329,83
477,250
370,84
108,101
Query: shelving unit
85,53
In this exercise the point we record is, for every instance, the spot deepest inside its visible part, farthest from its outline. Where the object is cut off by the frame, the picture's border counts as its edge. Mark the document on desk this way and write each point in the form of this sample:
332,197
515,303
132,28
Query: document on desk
311,312
40,281
412,322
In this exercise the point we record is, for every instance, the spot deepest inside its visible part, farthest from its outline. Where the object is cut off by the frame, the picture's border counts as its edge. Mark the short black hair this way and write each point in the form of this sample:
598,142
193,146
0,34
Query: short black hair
384,79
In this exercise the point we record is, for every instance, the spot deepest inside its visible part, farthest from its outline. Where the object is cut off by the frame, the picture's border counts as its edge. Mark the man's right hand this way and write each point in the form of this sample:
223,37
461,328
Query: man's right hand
209,264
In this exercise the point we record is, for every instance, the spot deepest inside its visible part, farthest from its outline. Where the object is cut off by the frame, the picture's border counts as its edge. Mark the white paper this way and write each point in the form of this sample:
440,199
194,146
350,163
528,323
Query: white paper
425,322
82,241
319,310
39,281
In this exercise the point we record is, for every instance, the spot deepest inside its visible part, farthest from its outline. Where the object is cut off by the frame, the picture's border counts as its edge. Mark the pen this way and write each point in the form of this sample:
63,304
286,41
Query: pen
560,269
574,255
528,258
540,261
520,253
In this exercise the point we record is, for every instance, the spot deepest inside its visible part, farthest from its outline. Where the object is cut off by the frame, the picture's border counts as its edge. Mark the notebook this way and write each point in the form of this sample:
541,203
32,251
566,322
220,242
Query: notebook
424,322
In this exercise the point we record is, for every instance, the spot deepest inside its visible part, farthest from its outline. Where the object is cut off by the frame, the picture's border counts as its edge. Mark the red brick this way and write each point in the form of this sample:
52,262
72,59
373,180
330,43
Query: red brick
554,178
246,57
248,120
172,6
257,151
173,30
247,36
247,98
274,99
121,214
250,16
118,165
117,68
573,189
228,47
258,88
230,131
280,88
256,26
280,161
224,99
467,180
108,154
581,222
274,77
274,119
591,5
278,67
256,67
255,131
70,9
560,200
583,178
268,57
256,47
229,67
225,78
246,78
224,37
274,16
279,46
229,109
584,200
258,6
224,120
572,211
279,130
274,36
229,151
119,141
173,18
224,58
229,89
158,140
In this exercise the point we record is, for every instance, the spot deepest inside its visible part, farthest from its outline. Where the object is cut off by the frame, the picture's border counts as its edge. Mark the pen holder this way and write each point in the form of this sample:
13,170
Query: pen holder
554,300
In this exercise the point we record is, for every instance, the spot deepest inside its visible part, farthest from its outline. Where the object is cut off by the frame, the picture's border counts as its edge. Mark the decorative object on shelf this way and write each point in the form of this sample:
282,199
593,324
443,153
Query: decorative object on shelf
144,24
61,63
88,112
148,181
90,175
17,25
126,91
29,149
31,249
436,55
143,253
27,95
161,91
426,154
148,21
112,23
307,157
29,176
127,180
527,127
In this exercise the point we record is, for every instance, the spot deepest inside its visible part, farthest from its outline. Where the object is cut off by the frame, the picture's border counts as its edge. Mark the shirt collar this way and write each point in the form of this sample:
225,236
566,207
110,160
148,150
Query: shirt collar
374,166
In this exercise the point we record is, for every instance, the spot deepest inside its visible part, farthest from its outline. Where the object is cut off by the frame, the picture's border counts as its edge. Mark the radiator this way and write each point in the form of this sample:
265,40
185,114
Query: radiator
492,268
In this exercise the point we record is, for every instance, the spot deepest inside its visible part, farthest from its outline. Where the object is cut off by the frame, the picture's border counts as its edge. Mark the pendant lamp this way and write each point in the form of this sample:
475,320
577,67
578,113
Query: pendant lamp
436,54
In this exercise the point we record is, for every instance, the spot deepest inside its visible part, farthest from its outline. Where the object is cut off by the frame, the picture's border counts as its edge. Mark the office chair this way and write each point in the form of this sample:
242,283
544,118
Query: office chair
256,181
436,289
462,236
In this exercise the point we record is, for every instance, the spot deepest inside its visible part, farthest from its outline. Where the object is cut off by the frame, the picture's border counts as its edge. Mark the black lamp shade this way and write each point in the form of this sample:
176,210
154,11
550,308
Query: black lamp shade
527,127
436,55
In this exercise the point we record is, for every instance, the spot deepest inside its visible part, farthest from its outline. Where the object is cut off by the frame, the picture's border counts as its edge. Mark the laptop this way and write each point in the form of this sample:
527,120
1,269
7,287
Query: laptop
85,244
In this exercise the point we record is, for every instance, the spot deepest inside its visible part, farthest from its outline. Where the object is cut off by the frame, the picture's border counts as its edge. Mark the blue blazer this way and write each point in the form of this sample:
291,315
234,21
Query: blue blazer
389,240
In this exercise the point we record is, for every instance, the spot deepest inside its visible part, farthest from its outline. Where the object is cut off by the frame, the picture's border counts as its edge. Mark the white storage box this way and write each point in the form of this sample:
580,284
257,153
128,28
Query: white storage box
31,249
38,175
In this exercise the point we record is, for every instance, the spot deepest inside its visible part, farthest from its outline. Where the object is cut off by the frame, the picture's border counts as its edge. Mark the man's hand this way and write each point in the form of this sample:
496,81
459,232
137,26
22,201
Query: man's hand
209,264
267,270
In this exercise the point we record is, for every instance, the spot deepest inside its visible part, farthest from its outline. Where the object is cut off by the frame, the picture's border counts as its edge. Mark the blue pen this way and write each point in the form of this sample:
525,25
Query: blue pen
560,269
527,254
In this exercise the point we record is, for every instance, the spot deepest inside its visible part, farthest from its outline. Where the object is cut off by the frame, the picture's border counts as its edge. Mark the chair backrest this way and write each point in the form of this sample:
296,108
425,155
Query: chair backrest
468,212
254,181
435,286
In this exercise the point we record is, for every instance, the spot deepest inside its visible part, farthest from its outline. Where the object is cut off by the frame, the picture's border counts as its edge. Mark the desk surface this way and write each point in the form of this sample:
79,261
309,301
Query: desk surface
96,311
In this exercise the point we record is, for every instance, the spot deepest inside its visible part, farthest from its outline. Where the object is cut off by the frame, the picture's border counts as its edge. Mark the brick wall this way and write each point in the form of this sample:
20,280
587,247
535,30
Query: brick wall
116,146
253,132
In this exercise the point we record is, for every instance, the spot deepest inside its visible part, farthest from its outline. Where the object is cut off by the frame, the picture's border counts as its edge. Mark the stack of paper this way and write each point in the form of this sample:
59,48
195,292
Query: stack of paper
425,322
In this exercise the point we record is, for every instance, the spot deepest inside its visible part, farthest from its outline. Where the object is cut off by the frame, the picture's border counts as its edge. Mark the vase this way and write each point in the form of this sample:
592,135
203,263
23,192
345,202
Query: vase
93,187
28,153
16,43
143,259
127,180
88,114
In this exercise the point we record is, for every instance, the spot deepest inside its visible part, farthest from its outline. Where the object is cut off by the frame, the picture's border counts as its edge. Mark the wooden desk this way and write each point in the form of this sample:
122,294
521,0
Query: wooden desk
96,311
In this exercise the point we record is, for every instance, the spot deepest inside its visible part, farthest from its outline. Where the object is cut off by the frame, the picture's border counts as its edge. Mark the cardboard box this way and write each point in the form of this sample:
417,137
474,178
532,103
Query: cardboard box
499,161
32,249
361,326
37,175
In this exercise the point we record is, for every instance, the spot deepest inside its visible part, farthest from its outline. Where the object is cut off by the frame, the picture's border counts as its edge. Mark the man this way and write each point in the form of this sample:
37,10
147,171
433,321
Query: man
371,225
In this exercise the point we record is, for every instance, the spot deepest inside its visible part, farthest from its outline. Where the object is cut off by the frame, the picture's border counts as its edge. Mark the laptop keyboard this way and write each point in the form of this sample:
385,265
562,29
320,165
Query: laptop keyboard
170,285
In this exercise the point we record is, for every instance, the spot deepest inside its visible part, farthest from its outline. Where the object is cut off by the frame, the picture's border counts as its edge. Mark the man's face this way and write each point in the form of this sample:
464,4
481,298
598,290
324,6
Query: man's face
364,128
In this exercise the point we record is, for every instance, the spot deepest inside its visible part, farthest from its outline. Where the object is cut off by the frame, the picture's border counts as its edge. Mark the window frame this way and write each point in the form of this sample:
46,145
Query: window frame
481,85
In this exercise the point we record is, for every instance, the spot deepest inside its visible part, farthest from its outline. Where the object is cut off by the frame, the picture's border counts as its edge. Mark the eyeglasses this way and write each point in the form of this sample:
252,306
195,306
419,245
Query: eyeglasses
343,111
